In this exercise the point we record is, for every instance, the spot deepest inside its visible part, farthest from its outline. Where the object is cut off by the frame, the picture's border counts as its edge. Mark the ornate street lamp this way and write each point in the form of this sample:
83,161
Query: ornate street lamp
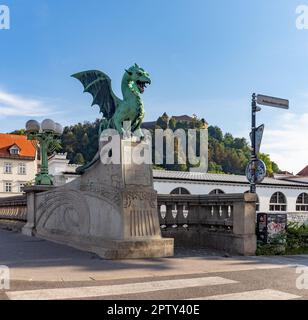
46,134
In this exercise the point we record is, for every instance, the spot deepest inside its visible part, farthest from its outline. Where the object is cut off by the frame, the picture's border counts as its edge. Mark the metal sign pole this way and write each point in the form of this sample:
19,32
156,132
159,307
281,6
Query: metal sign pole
256,169
253,140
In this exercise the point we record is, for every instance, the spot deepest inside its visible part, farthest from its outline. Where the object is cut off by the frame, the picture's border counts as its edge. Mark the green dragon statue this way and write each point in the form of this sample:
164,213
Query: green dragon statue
116,111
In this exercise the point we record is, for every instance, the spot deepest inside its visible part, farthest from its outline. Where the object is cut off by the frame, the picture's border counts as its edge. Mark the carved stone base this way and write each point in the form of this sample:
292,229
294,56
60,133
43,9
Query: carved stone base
110,210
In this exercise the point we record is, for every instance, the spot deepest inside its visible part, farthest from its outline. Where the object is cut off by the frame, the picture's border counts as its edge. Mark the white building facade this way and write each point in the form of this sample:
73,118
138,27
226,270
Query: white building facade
61,170
275,196
18,164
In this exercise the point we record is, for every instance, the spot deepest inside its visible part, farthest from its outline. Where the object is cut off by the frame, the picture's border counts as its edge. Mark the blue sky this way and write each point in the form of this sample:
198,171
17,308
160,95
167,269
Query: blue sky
204,56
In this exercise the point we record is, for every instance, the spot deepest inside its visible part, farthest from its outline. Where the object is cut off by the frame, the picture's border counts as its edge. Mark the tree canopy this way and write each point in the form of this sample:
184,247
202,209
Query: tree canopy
227,154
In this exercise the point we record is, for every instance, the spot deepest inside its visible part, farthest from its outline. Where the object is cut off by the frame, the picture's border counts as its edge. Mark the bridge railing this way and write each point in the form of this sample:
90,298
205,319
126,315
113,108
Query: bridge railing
223,222
13,212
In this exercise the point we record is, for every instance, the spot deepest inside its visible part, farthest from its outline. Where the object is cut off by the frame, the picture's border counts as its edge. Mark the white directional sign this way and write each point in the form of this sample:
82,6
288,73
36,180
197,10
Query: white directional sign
259,136
272,102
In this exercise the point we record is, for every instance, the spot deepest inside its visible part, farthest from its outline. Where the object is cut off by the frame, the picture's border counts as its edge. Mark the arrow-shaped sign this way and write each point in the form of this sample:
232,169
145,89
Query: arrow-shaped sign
259,136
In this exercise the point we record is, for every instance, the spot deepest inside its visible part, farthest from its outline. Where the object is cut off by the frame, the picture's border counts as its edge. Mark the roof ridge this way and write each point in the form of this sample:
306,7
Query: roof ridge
224,178
304,172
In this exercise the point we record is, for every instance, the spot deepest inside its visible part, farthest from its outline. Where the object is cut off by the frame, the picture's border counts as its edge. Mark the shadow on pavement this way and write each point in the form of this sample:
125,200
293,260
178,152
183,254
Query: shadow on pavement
19,251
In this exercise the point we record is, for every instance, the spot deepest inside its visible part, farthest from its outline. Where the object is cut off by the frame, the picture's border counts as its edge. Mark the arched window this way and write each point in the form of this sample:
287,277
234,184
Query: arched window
302,202
180,191
257,203
278,202
216,191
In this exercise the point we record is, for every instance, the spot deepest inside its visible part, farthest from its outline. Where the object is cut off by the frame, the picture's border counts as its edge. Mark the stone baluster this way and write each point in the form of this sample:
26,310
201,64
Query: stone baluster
162,216
175,215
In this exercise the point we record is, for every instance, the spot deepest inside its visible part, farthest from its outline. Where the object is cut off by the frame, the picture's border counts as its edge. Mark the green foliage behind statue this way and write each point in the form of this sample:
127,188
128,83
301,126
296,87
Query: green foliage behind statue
227,154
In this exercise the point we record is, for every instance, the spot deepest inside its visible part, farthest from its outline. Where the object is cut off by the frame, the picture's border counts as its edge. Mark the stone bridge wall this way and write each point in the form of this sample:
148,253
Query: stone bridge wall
223,222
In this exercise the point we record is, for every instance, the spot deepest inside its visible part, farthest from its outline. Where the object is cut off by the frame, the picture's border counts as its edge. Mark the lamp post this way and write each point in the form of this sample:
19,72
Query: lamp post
45,133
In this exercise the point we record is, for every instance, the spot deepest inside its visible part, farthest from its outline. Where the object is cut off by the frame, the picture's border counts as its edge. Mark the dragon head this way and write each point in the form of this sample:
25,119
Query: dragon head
139,76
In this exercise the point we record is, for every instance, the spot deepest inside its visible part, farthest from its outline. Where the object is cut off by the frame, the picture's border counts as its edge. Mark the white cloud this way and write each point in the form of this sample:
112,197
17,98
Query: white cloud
288,144
12,105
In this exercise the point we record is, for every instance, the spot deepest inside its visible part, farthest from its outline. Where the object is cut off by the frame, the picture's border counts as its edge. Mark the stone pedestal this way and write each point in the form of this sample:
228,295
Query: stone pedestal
244,225
110,210
31,191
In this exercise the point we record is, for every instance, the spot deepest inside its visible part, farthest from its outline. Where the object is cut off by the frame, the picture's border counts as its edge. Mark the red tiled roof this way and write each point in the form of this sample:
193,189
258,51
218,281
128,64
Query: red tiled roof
27,148
304,172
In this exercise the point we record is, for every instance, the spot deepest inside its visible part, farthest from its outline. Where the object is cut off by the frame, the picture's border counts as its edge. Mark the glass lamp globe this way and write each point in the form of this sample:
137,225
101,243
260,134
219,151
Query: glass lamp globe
33,126
48,125
58,128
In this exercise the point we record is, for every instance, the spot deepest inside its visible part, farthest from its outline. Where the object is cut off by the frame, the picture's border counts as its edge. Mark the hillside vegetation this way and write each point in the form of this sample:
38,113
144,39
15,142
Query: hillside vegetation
227,154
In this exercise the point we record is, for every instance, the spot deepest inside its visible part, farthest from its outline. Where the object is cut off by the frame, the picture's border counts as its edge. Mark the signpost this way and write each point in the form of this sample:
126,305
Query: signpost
259,136
254,110
255,170
272,102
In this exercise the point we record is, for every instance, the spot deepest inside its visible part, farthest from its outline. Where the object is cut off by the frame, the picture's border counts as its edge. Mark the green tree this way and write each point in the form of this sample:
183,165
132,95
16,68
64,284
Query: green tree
172,124
21,132
227,154
275,167
214,168
79,159
163,121
216,133
268,163
228,140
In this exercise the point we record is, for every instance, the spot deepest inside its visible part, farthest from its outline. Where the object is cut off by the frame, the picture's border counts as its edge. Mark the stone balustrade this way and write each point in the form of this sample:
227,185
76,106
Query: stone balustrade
13,208
223,222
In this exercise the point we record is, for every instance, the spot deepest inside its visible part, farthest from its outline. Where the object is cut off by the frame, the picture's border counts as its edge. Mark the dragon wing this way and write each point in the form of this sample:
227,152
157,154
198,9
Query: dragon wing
98,85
